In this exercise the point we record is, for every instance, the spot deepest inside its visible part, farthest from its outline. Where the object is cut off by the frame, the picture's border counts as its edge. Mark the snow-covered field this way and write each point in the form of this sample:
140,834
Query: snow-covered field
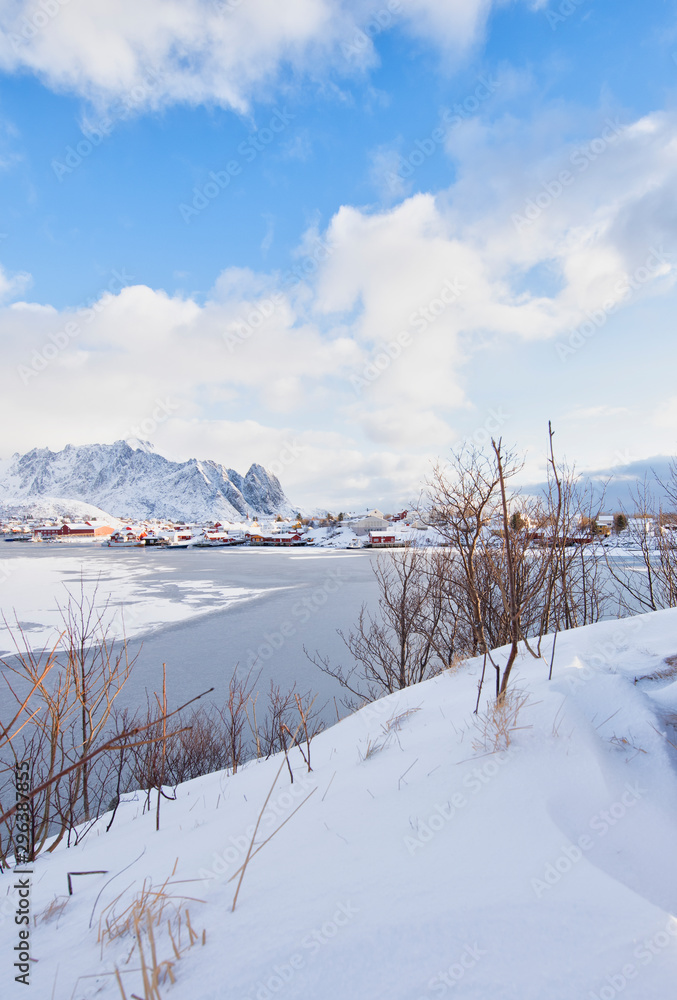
421,863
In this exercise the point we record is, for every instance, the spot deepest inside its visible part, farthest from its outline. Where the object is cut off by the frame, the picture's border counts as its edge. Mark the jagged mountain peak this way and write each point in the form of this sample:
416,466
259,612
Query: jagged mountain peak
129,478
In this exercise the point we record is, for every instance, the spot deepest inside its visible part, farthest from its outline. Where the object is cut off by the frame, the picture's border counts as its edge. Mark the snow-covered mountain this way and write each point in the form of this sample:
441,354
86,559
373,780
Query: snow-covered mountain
137,482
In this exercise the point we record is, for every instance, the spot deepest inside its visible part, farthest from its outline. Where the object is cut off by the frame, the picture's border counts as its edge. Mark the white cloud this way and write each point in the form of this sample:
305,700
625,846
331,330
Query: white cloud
665,415
222,51
454,25
598,412
12,285
366,362
385,174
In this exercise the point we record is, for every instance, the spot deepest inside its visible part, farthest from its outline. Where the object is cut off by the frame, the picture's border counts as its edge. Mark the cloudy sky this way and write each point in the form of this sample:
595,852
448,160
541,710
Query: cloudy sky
339,237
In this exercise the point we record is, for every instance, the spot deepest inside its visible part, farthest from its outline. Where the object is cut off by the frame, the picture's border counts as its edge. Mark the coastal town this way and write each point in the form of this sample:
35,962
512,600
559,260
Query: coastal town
366,530
370,529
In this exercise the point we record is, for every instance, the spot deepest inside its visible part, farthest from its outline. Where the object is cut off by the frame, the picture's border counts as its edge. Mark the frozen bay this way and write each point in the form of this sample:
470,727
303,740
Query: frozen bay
199,611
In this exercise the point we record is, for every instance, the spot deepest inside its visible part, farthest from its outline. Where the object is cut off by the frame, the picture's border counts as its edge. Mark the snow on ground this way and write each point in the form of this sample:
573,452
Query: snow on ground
423,864
142,598
54,507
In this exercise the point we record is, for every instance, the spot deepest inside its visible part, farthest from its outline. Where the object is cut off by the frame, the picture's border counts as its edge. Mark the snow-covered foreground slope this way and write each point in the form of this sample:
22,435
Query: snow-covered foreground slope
428,867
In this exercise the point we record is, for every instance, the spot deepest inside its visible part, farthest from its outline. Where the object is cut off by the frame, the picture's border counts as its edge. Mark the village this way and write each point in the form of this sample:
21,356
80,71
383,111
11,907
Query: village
372,529
367,530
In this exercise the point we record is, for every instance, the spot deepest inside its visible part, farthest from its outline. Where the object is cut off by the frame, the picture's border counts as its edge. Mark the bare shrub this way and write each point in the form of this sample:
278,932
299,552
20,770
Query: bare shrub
654,586
514,568
400,643
234,719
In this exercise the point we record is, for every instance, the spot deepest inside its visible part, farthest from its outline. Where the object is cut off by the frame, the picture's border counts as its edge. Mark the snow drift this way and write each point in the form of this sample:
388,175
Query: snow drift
425,855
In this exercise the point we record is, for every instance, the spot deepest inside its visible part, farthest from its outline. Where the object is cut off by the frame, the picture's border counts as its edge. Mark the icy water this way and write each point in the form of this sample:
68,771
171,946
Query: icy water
199,611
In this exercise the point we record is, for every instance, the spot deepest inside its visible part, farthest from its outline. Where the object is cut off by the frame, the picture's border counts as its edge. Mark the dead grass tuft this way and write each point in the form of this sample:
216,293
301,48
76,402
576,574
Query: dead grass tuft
53,911
665,673
621,743
144,921
374,746
496,726
395,723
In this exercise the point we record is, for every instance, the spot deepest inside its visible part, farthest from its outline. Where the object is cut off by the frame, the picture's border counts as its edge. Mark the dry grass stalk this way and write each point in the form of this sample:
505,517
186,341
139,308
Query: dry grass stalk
264,842
394,724
665,673
256,829
142,919
497,725
53,911
622,743
250,850
374,746
119,981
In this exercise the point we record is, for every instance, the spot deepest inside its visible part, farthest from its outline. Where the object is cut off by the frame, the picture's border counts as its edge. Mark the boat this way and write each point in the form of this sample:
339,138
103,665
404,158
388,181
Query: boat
354,543
122,540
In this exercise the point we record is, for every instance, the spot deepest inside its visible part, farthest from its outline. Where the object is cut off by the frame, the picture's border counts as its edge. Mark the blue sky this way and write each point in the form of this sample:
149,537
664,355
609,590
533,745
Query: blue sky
165,167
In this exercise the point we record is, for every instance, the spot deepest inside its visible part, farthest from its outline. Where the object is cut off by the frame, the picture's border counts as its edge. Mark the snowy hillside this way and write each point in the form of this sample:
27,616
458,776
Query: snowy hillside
136,482
422,862
55,507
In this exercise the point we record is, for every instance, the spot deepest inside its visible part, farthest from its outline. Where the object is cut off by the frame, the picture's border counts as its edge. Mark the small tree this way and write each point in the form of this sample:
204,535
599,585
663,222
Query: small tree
395,645
517,522
620,523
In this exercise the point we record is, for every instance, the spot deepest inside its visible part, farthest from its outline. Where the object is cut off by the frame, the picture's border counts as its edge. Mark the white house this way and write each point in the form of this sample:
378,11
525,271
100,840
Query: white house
370,523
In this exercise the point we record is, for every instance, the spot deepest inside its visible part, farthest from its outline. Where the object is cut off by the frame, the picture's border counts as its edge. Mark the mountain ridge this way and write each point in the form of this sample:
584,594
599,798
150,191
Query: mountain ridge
137,482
